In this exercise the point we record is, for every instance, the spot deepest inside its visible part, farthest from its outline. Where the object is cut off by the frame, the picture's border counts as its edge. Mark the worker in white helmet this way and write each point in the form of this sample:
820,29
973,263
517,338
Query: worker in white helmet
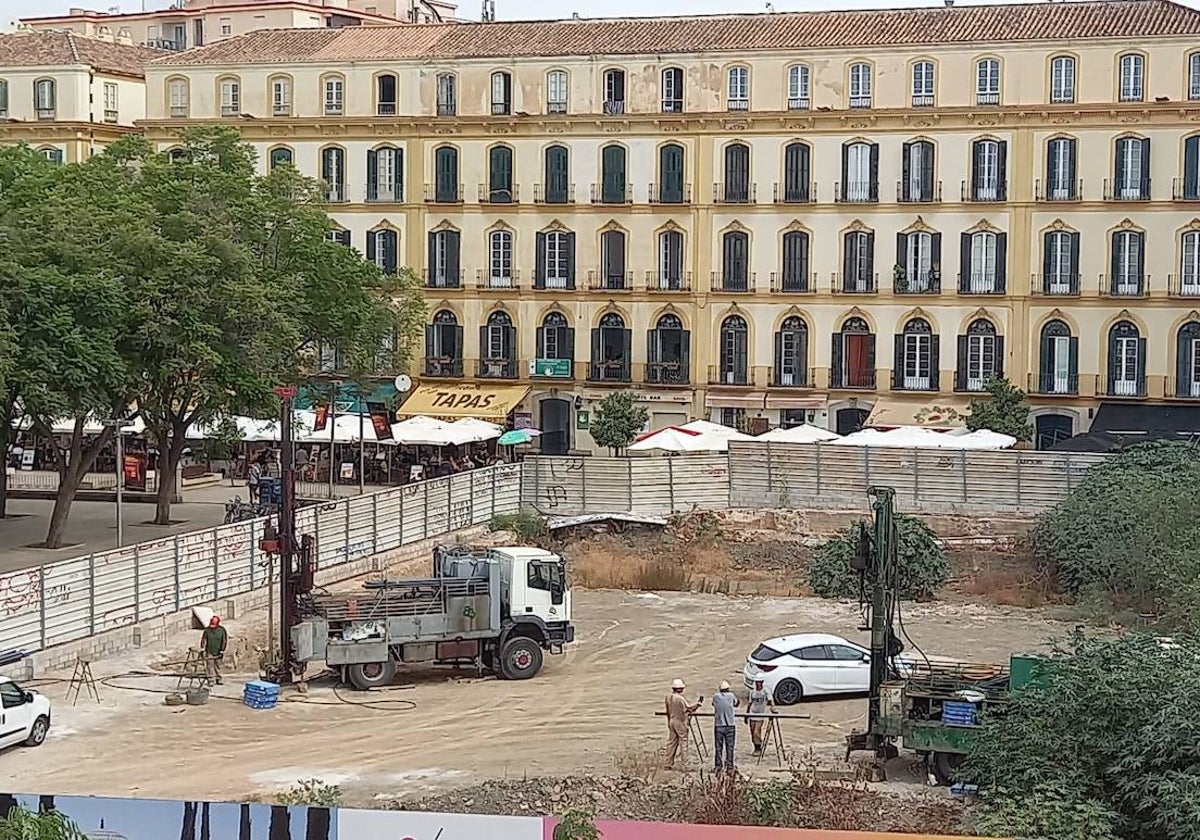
678,710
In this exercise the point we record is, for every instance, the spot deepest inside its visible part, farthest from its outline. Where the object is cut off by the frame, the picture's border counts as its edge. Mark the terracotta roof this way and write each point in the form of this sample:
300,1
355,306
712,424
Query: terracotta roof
58,49
1062,21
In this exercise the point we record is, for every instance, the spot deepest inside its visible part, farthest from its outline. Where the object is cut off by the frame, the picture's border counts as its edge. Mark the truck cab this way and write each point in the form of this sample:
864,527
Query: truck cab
534,585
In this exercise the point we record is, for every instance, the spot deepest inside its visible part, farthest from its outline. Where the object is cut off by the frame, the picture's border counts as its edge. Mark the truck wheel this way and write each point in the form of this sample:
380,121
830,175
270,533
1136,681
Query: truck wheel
944,765
371,675
520,659
37,733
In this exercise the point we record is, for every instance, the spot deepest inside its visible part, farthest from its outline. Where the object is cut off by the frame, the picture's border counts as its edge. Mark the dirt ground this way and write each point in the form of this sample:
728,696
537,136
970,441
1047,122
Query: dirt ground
587,708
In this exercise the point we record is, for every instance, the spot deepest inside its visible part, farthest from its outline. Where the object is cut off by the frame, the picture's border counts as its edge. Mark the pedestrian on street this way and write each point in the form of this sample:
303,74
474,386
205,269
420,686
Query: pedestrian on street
724,727
678,711
258,469
212,646
760,701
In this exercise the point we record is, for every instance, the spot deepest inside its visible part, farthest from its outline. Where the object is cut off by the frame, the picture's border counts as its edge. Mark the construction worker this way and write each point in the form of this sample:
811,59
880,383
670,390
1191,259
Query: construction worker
212,646
724,727
760,701
678,710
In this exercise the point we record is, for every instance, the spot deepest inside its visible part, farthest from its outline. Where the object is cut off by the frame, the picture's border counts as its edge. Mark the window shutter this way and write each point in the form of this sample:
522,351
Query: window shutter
570,248
960,371
1112,361
372,245
976,167
685,354
373,175
1119,167
430,331
1073,362
1141,364
927,164
453,245
804,174
870,261
836,378
1053,152
802,260
652,346
539,261
1001,262
999,369
847,259
1075,253
1191,168
1002,169
902,251
456,350
898,361
392,258
4,96
398,174
935,258
1045,363
1047,259
483,344
627,351
539,343
935,362
1113,263
1145,173
964,261
510,343
874,186
566,347
778,357
1141,263
905,171
845,170
871,357
1183,364
596,347
1072,168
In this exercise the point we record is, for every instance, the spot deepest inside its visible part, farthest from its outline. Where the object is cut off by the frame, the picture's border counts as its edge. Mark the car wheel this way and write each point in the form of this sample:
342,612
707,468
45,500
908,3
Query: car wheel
37,733
789,692
520,659
371,674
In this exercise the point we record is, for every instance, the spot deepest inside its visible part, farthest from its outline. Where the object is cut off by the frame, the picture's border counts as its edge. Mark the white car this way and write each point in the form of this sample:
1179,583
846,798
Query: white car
809,664
24,715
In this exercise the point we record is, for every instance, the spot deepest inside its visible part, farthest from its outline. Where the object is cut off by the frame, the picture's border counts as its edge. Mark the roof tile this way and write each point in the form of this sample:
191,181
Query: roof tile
57,48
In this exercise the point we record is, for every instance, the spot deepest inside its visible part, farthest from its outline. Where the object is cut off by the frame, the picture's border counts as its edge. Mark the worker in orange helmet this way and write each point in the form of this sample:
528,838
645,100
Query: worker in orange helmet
212,647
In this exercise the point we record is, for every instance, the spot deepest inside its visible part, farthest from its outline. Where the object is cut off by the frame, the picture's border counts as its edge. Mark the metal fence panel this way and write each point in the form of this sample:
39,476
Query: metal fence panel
21,610
437,511
387,520
197,567
331,534
507,481
157,593
360,524
114,593
235,554
653,491
413,510
66,599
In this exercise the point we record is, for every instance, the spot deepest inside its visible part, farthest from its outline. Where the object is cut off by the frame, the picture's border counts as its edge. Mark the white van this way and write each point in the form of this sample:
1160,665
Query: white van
24,715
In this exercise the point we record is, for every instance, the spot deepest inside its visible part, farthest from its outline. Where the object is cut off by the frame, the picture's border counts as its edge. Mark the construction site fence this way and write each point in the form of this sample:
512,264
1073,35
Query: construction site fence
761,475
61,602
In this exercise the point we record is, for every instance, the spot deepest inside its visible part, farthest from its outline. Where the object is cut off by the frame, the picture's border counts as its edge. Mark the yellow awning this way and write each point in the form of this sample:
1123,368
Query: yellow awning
455,401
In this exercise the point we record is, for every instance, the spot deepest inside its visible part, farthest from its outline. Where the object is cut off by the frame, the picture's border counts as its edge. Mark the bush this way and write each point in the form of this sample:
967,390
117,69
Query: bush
528,525
313,792
1128,536
923,566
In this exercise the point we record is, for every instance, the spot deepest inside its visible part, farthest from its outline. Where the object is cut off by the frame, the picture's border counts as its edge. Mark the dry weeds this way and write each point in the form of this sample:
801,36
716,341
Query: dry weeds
639,761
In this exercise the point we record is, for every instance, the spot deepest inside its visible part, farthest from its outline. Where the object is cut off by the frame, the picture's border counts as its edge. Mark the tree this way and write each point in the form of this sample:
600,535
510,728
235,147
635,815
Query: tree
21,824
617,420
923,566
1103,745
1004,410
1128,535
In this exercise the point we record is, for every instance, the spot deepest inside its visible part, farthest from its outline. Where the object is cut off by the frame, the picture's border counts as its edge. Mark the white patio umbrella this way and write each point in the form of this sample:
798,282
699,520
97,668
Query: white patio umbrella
665,440
424,431
474,430
804,433
705,427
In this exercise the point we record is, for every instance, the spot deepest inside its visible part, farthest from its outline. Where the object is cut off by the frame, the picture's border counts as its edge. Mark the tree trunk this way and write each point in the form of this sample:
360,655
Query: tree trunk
244,823
204,832
3,478
7,435
170,453
72,465
318,824
281,823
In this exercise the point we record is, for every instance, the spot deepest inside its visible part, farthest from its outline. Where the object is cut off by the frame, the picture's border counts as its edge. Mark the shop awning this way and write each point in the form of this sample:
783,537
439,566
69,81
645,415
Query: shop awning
943,415
1139,419
792,401
752,401
455,401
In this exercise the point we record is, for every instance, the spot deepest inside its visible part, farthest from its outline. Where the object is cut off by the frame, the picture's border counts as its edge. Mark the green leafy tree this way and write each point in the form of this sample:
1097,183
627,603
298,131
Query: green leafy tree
617,420
923,565
576,824
1128,535
1103,745
1003,410
21,824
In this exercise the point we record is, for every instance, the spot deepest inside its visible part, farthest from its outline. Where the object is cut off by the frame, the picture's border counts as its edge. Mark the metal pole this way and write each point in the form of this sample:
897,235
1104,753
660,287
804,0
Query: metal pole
287,534
332,425
362,449
121,485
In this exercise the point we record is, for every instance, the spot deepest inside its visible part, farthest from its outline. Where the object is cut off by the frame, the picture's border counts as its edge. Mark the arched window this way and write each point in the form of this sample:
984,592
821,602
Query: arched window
498,347
737,188
1062,79
672,90
1187,360
737,96
980,356
281,96
45,98
735,365
1189,263
444,260
858,262
280,156
555,260
989,170
1126,360
916,358
611,350
1128,264
984,263
447,95
52,154
1060,262
231,96
445,175
500,259
735,261
612,261
853,361
791,354
1131,162
1193,88
987,81
1131,74
797,173
386,95
860,85
500,175
501,93
555,339
444,345
557,189
798,84
1058,370
670,275
383,248
178,98
385,174
919,256
669,352
670,174
556,92
333,173
614,188
333,94
923,84
1061,166
614,92
794,275
860,172
917,170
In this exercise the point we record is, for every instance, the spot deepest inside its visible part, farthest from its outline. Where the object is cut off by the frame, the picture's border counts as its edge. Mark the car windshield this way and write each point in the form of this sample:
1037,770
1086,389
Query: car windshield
765,654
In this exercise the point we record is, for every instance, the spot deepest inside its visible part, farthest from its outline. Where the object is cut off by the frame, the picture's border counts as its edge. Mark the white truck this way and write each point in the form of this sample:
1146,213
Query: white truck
24,715
498,609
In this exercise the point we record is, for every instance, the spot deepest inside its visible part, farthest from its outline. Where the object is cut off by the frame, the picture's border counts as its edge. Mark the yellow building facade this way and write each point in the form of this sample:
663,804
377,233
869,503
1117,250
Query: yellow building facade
760,219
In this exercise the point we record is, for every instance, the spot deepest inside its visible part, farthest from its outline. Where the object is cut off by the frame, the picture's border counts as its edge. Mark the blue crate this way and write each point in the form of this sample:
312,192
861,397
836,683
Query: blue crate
262,688
255,704
959,713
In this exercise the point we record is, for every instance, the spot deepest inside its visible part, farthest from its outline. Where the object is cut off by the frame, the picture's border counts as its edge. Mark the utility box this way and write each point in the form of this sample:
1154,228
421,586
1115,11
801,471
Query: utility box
1026,670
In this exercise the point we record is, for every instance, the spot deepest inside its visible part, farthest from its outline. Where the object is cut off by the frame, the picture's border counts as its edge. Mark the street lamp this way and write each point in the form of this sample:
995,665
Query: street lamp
119,425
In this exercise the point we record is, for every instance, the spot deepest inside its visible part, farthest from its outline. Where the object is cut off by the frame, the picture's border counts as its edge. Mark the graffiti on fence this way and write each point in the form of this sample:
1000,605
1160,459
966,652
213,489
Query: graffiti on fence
20,592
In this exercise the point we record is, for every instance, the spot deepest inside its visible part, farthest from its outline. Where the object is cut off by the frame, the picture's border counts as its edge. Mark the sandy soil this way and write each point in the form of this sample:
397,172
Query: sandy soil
588,705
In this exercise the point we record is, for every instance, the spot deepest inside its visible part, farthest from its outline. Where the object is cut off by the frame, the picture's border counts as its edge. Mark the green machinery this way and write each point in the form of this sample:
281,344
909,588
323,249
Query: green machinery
928,707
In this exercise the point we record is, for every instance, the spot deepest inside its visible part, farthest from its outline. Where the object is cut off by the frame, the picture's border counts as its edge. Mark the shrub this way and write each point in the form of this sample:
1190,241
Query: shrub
923,566
528,525
312,792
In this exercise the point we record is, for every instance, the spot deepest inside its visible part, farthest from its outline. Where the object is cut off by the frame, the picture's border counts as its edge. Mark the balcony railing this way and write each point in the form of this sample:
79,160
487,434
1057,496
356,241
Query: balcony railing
614,107
984,192
1126,285
509,195
1182,389
910,193
791,377
1072,191
336,194
971,382
794,282
672,106
447,109
443,279
608,281
385,193
719,281
1050,384
487,278
618,371
856,192
928,382
786,193
920,283
554,284
799,103
854,284
501,109
860,102
444,193
165,44
659,282
730,375
1120,387
1054,285
852,380
1183,285
668,373
922,100
659,195
496,369
981,283
987,98
737,105
556,107
735,193
445,368
1181,190
385,108
554,196
1127,192
609,195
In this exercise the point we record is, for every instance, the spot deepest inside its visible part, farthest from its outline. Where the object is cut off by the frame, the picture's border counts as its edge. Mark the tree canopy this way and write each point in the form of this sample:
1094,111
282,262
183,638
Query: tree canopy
1003,410
923,565
617,419
183,283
